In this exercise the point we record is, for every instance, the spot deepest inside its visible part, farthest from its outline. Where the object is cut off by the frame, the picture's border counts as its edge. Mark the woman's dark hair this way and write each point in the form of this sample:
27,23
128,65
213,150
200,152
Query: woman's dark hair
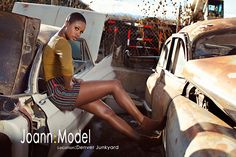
75,17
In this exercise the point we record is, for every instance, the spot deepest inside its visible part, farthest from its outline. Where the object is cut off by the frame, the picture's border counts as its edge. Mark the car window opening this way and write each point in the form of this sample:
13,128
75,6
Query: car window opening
215,45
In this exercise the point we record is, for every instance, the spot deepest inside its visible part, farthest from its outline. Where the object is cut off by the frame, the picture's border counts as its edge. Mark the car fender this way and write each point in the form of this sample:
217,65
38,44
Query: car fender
73,121
13,130
193,131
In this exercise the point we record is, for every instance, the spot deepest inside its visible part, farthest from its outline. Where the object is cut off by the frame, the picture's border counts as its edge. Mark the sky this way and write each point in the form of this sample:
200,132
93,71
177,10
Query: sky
133,7
138,7
229,8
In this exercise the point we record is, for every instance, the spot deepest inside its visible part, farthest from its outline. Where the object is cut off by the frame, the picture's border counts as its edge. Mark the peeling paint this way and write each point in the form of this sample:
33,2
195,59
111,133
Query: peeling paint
18,49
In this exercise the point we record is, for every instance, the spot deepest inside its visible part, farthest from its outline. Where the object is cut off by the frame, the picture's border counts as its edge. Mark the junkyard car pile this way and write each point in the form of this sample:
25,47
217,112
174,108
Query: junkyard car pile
193,90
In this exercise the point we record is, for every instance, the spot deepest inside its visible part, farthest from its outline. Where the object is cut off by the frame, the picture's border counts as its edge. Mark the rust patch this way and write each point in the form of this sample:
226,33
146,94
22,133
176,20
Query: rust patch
222,147
217,78
17,31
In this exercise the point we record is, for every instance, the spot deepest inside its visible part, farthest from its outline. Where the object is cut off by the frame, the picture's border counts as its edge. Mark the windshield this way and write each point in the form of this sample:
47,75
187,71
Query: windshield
216,45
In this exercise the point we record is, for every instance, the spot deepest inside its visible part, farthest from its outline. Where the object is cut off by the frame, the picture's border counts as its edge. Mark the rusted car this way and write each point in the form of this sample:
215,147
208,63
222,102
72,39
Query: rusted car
192,92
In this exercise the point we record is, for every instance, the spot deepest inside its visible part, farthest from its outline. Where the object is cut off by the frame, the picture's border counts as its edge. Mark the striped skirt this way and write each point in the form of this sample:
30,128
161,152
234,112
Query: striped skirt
64,99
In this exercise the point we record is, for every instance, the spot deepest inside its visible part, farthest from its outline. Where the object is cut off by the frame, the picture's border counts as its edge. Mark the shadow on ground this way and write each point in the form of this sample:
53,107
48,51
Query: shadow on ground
104,137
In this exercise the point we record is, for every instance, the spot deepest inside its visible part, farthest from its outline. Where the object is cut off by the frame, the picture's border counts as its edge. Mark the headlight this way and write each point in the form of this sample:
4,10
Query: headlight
8,108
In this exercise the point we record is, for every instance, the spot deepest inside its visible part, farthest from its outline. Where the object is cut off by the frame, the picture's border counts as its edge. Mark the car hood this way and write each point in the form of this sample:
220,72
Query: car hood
216,77
18,36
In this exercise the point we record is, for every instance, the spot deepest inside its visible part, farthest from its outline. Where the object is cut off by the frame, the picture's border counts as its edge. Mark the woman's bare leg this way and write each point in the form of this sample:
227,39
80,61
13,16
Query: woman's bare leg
94,90
104,112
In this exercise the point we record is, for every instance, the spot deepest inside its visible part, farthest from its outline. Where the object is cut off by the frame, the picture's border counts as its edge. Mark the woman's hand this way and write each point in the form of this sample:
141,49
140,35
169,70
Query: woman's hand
77,80
69,82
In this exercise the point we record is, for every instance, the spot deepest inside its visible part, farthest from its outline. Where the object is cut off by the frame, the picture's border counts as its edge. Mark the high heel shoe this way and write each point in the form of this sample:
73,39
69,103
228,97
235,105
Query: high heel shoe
147,142
149,125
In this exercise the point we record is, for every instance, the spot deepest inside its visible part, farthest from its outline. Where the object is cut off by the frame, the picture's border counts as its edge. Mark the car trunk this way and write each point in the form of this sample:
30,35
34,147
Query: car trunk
17,50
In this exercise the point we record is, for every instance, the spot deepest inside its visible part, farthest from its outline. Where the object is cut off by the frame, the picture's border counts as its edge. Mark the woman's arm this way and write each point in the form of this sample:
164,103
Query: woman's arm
64,52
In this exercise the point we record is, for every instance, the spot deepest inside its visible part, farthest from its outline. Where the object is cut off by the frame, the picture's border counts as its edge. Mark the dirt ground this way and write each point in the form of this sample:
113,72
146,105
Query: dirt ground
103,136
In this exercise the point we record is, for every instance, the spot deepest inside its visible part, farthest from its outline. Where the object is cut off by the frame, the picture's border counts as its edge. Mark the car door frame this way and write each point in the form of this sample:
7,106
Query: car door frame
167,85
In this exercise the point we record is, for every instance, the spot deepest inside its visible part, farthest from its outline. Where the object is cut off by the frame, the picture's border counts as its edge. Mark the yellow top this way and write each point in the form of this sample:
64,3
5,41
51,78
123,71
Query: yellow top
57,58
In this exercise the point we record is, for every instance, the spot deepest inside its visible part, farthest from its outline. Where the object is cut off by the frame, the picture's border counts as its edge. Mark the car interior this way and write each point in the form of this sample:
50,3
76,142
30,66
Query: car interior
216,45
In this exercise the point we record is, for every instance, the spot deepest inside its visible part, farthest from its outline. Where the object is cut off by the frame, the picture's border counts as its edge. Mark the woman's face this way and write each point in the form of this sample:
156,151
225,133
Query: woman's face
74,30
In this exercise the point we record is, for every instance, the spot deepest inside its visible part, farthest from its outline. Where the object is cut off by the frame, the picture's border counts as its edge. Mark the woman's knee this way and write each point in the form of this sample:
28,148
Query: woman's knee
117,84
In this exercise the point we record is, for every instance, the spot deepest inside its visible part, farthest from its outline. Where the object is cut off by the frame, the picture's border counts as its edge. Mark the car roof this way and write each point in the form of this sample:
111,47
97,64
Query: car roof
203,27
